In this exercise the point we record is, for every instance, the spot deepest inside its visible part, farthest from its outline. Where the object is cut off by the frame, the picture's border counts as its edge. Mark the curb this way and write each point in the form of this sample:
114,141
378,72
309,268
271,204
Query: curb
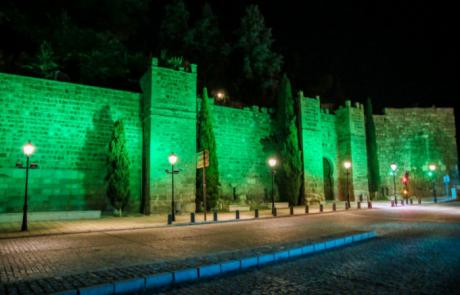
212,270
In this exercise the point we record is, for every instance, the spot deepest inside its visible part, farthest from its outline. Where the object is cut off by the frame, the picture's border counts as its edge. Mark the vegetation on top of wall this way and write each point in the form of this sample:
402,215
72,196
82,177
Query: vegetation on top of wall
372,153
118,164
206,140
284,142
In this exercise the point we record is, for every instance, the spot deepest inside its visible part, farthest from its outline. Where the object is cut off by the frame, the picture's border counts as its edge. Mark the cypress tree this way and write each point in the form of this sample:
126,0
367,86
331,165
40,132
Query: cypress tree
118,169
206,140
285,143
371,144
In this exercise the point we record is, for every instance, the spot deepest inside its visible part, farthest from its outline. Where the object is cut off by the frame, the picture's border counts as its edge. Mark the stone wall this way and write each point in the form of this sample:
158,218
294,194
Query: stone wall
413,138
170,114
352,147
70,125
243,169
332,139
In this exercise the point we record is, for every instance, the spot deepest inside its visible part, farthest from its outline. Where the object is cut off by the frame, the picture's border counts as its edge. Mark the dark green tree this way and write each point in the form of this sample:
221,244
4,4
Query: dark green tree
206,140
260,64
372,152
284,142
205,44
45,62
174,28
118,169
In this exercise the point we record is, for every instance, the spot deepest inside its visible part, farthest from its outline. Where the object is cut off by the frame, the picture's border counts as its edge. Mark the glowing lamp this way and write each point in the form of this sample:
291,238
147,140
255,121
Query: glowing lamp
28,149
393,167
432,167
272,162
347,164
220,95
172,159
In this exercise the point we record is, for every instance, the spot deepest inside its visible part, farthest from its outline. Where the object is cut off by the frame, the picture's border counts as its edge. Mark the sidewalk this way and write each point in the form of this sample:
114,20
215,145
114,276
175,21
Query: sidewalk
112,223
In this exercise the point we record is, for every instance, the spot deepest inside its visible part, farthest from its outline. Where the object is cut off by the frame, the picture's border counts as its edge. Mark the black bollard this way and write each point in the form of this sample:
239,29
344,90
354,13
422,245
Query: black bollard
392,203
192,217
346,206
256,213
411,202
359,205
407,201
237,214
369,205
420,201
307,209
274,212
320,207
291,210
334,208
215,215
169,219
402,202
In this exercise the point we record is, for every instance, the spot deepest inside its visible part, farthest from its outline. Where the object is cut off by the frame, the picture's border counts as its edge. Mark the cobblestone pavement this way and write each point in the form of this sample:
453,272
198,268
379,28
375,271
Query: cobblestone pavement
34,265
414,259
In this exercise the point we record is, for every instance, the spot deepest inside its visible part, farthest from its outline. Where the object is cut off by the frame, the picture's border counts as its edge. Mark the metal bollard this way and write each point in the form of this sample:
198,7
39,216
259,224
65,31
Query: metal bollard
237,214
334,207
307,209
291,210
256,213
369,205
274,212
392,203
411,202
215,215
407,201
192,217
169,219
320,207
420,201
359,205
402,202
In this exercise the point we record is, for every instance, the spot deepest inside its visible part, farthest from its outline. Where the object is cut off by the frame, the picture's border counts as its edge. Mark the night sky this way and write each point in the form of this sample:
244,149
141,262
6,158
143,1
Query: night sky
399,54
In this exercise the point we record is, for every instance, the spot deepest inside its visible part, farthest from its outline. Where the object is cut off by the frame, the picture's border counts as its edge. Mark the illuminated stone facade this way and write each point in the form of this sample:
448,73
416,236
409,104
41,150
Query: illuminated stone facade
71,124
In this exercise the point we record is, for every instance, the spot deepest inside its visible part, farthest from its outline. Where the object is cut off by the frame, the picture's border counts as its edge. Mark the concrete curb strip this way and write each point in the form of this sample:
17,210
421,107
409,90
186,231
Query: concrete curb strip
211,270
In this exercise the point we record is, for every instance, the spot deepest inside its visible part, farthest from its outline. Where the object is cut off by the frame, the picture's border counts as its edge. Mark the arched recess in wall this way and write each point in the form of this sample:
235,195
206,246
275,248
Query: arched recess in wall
328,179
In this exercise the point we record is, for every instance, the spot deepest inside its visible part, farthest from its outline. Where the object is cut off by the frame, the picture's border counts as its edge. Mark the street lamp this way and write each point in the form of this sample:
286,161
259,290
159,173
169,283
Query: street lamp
432,168
272,163
394,167
28,149
172,160
347,166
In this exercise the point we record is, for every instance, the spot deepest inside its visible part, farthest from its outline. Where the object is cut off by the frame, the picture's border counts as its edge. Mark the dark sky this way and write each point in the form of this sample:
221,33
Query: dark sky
404,54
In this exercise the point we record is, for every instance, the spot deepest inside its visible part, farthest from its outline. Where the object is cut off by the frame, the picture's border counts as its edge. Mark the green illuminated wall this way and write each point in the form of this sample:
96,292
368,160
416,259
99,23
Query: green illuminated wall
334,138
70,125
242,161
169,116
352,146
414,138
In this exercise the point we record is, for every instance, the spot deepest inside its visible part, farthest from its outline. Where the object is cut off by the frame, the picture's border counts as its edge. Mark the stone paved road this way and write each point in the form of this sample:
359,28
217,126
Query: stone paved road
99,257
415,258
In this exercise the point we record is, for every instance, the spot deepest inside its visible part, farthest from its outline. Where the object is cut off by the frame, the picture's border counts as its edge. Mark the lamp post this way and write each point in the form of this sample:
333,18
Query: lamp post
272,163
172,160
394,167
28,149
432,168
347,166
